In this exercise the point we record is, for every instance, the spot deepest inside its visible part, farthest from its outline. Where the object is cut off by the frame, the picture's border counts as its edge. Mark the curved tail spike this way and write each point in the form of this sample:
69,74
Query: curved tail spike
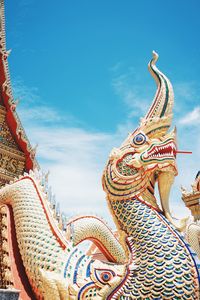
94,229
161,109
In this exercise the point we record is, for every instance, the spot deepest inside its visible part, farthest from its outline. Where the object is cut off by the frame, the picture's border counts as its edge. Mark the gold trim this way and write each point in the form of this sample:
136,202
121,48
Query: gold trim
12,152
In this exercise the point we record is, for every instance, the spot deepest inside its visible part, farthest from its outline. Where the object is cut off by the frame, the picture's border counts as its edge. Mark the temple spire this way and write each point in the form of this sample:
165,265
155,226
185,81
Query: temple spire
15,149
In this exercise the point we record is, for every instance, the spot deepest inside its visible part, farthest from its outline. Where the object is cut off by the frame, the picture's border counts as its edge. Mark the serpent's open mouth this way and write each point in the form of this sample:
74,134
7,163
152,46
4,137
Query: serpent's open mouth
163,151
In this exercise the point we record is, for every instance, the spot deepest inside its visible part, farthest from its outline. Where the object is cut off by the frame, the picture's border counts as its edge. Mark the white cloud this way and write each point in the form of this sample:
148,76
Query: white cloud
61,143
191,118
185,90
28,95
116,66
130,94
41,113
126,83
32,108
186,97
76,159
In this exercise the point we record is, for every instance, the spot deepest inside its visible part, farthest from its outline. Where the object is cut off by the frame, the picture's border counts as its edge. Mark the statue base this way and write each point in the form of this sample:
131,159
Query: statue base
8,294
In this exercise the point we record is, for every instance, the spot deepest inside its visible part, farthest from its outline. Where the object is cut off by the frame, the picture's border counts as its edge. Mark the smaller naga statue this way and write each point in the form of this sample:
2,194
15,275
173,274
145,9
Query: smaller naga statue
192,201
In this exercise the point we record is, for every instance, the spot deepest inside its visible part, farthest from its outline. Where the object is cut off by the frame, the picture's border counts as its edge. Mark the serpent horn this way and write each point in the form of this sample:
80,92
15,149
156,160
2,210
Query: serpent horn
159,116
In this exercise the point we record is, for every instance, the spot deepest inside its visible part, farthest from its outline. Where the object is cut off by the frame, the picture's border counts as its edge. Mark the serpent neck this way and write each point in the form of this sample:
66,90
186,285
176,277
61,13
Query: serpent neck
160,255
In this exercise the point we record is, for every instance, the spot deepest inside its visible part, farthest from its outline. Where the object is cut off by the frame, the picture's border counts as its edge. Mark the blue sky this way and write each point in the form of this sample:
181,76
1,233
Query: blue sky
79,69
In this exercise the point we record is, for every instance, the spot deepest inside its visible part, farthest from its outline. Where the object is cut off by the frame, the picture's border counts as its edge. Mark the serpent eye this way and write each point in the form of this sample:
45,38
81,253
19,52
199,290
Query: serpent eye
139,139
104,275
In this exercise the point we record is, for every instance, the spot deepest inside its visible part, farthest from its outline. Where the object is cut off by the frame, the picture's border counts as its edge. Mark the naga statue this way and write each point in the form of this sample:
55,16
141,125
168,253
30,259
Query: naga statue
191,200
147,258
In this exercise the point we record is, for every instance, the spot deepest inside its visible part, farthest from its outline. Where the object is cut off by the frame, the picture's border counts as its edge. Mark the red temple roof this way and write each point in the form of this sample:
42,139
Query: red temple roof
7,100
